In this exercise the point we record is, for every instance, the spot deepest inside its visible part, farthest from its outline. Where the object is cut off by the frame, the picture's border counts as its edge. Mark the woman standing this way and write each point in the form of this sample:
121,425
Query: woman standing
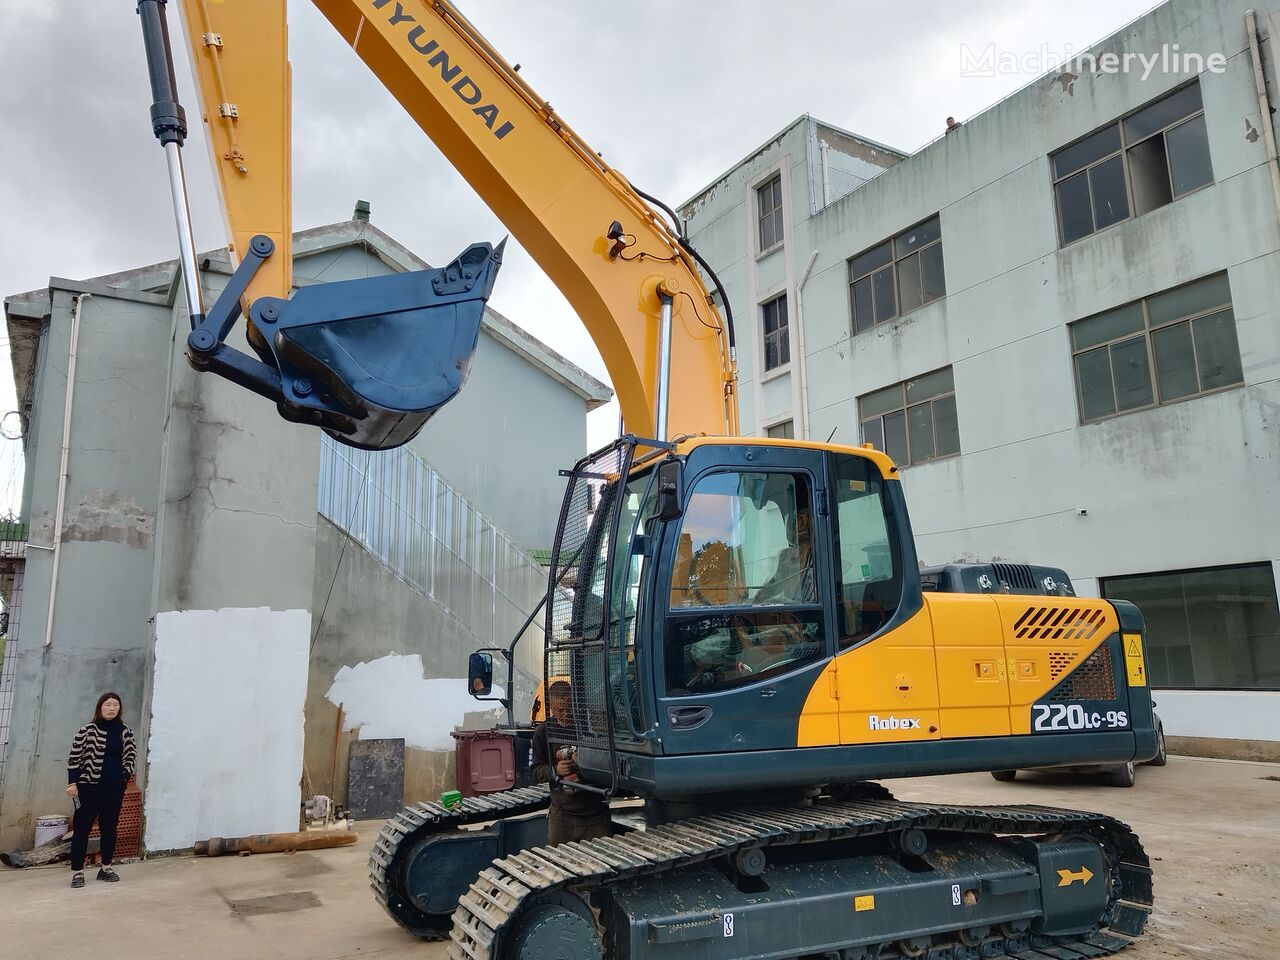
100,764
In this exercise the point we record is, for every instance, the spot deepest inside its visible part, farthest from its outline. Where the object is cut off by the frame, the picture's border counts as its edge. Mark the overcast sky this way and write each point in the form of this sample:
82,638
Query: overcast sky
83,189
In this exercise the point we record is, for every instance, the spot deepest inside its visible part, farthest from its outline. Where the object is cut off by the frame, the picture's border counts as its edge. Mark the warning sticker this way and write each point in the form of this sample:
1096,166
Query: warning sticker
867,902
1134,663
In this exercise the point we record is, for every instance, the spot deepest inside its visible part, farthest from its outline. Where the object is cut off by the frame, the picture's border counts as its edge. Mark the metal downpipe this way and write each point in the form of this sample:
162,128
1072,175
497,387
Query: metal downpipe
62,465
1264,102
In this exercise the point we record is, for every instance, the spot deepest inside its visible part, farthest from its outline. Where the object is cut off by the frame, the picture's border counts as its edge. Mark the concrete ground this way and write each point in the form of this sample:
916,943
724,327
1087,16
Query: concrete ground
1211,827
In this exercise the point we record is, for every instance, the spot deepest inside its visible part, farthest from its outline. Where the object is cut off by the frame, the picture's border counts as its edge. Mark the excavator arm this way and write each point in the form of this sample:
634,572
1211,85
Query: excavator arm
628,273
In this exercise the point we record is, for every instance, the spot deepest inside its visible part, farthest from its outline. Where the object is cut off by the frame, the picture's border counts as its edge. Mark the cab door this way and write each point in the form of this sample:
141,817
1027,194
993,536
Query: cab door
885,673
747,628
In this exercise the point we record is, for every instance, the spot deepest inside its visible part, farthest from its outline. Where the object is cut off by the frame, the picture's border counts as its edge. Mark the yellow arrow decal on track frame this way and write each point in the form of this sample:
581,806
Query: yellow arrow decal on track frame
1068,877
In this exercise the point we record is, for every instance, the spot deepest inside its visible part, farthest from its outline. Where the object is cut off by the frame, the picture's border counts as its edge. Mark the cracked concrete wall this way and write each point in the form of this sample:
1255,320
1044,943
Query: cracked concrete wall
190,495
370,613
850,163
235,546
100,633
238,525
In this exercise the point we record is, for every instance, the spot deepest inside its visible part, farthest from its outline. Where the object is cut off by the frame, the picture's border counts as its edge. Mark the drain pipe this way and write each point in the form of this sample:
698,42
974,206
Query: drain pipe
1264,102
62,468
823,148
803,366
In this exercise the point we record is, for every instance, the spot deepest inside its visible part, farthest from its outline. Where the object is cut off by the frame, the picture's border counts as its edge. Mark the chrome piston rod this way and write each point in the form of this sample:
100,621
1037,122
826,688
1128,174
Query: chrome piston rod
186,237
169,123
664,369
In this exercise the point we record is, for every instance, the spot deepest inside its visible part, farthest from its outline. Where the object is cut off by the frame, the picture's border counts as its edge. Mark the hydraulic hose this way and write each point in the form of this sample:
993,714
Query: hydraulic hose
689,249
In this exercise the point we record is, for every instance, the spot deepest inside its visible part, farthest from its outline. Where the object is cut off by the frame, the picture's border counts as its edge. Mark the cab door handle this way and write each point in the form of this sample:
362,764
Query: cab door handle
687,718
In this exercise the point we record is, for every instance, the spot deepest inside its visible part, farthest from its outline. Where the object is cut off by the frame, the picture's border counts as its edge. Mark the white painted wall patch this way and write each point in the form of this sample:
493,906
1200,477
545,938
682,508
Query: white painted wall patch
392,697
225,747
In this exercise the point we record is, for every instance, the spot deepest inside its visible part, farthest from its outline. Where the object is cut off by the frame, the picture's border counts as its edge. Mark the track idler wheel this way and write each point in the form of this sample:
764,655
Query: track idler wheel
556,925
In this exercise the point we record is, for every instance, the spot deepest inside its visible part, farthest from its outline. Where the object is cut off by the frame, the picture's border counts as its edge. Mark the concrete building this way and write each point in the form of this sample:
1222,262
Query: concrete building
1060,319
232,576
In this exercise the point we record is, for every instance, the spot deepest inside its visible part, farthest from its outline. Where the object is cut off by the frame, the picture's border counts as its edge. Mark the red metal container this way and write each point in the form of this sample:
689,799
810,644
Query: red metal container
485,762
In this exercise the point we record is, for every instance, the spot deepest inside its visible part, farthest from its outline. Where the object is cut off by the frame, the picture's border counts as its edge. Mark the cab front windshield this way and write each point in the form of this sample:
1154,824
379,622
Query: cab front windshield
744,601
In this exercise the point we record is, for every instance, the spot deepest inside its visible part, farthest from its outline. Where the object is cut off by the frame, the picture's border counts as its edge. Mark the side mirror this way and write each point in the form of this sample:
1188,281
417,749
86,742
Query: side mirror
480,674
670,490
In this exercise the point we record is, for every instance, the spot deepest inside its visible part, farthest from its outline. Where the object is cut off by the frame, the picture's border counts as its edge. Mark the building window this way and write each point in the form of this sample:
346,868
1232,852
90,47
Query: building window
1167,347
897,276
777,343
769,212
1133,166
1214,628
781,431
914,421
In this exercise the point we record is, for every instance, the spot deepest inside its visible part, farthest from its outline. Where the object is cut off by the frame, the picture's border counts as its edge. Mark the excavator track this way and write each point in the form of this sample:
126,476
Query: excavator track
402,838
404,834
509,887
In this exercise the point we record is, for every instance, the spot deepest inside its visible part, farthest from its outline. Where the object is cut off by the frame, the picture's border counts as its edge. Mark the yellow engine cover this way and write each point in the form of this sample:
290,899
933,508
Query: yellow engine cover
963,666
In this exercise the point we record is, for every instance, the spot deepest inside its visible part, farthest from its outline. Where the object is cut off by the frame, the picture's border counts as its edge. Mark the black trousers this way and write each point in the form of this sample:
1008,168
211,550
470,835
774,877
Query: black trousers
101,802
565,827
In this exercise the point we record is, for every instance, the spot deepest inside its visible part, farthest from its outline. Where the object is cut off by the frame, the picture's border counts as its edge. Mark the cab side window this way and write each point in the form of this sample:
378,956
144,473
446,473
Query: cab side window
744,586
870,564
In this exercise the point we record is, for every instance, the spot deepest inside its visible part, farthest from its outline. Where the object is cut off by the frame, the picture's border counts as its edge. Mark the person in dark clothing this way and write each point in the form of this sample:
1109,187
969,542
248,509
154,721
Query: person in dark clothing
574,814
98,769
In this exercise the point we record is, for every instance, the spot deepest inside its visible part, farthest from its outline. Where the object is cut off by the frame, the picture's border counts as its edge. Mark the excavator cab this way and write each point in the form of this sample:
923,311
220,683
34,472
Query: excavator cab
368,360
704,610
764,629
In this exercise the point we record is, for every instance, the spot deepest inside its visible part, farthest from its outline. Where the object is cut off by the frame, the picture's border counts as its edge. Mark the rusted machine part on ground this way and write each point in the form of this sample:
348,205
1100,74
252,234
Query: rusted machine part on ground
276,842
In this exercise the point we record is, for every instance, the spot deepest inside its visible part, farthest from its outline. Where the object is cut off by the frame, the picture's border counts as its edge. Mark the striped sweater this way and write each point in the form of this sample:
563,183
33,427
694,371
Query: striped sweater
84,764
